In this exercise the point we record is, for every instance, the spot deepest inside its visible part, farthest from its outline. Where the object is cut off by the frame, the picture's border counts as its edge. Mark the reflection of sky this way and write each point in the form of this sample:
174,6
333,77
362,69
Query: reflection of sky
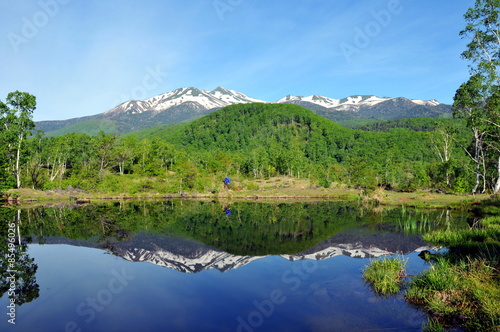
317,295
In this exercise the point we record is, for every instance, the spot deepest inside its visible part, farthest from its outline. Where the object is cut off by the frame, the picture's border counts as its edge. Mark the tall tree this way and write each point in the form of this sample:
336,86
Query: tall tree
104,144
472,98
442,143
492,109
469,103
16,120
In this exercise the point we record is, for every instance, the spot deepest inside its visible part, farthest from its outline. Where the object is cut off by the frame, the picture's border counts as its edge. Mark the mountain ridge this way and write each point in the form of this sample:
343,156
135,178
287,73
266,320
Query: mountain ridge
185,104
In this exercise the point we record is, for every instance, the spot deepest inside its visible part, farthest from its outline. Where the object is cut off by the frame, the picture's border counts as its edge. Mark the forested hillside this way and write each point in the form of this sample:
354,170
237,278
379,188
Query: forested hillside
415,124
250,141
291,140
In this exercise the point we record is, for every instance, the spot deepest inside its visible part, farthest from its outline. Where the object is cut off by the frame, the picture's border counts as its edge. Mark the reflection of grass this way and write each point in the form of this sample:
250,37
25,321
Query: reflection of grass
385,275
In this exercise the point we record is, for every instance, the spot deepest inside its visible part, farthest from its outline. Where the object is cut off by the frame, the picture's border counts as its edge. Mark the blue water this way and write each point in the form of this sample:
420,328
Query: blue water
190,266
87,289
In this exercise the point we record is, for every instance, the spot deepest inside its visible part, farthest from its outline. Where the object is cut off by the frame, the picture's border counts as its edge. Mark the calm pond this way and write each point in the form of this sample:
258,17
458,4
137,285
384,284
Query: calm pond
206,266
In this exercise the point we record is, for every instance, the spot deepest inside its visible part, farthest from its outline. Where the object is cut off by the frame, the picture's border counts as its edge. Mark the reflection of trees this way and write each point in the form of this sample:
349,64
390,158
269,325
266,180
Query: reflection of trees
26,288
252,228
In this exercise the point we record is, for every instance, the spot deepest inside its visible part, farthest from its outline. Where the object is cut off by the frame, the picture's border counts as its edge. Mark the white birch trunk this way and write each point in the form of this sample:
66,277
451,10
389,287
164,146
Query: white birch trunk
497,184
18,171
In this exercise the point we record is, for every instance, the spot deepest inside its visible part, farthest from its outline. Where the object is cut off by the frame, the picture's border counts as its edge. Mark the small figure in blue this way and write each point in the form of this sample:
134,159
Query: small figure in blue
227,181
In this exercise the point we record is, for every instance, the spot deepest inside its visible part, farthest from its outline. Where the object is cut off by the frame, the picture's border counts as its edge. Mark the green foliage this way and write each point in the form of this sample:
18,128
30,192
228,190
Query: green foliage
414,124
466,292
385,275
478,99
16,123
463,285
89,127
484,45
433,326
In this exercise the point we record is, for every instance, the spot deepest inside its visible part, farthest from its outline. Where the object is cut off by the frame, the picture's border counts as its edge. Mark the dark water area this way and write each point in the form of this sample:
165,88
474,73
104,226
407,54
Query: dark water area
207,266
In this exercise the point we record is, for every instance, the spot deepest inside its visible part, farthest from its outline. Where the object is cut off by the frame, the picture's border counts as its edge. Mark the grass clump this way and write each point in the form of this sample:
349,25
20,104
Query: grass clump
385,275
464,293
433,326
462,287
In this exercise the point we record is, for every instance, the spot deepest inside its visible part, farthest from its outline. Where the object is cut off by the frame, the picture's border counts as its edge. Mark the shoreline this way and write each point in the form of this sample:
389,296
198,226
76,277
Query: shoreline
378,197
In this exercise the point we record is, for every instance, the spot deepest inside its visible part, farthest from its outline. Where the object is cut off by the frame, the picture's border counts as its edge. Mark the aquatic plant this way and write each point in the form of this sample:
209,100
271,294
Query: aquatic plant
459,293
385,275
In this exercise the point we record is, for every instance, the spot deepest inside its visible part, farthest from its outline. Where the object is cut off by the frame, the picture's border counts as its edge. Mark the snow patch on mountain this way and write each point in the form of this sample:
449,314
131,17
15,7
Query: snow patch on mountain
432,102
315,99
350,103
200,101
232,97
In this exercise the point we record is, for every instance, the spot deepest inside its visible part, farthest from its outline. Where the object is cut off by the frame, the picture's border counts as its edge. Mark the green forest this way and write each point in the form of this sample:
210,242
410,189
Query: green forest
247,141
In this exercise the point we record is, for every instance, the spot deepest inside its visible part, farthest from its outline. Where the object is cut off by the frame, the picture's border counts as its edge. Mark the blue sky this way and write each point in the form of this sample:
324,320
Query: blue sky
84,57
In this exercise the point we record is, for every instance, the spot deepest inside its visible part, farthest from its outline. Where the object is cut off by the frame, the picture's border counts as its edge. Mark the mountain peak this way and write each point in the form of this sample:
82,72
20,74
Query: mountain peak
221,90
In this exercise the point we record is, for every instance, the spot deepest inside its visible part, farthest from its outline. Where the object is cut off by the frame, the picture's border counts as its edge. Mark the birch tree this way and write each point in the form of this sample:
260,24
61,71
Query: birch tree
16,120
443,144
469,103
472,100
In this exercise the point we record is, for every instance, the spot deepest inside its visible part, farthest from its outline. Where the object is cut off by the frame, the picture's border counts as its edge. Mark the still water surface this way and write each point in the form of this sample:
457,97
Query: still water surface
207,266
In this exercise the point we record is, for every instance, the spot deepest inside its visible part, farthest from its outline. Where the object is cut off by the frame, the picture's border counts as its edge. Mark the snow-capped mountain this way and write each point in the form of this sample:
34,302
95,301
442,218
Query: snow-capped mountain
352,103
185,104
333,103
199,100
220,97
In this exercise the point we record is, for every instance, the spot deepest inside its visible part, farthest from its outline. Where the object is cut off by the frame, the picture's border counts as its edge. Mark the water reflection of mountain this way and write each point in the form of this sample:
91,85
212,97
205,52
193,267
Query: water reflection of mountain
189,256
181,254
360,243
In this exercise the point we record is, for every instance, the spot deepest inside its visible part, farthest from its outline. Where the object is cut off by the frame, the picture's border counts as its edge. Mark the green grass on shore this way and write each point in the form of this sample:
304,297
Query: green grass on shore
462,286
